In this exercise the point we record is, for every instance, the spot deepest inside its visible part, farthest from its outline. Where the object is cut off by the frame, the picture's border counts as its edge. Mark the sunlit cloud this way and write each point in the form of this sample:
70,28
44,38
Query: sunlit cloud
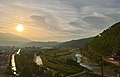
58,20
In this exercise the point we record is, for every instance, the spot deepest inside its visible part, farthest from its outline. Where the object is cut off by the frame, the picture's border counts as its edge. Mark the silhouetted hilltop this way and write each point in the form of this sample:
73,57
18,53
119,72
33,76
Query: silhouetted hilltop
7,39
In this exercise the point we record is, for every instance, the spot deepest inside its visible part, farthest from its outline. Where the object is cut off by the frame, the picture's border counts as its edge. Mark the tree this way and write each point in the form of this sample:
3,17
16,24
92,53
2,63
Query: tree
26,73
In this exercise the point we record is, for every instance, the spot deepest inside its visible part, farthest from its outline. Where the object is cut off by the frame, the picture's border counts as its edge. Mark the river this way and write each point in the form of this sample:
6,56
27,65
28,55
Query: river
13,65
37,60
79,60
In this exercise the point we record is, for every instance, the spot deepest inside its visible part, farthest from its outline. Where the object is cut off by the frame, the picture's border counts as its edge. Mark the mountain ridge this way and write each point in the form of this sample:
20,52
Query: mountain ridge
78,43
40,44
8,39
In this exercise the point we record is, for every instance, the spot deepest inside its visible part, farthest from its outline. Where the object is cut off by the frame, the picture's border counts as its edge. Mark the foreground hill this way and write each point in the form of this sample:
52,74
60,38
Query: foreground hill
106,43
75,43
7,39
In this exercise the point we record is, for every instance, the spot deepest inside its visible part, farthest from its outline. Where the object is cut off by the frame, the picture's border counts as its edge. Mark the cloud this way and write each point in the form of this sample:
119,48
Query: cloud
66,19
102,21
98,22
51,23
1,27
114,16
40,21
84,29
46,22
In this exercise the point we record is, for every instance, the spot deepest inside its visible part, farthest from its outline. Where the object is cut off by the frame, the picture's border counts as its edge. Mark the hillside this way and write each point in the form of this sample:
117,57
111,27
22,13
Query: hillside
40,44
75,43
7,39
68,44
106,43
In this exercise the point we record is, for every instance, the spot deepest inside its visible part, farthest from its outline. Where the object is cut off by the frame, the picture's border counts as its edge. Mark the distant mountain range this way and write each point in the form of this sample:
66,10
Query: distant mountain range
69,44
7,39
40,44
75,43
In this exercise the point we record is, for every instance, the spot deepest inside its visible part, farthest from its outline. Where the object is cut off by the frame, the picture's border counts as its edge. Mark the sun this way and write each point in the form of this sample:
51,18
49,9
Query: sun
20,28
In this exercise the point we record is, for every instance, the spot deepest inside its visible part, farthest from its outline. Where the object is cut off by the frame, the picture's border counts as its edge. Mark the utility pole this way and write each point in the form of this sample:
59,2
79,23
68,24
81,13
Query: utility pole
102,65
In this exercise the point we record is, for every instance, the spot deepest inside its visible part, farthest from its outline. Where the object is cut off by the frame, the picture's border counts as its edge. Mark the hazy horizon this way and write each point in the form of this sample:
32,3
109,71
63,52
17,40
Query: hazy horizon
58,20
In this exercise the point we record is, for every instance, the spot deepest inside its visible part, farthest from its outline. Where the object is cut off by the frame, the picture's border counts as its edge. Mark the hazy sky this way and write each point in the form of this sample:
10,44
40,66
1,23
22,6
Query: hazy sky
58,20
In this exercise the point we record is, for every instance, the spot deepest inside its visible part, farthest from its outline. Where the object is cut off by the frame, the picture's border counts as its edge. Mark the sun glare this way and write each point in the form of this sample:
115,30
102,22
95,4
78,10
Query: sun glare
20,28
